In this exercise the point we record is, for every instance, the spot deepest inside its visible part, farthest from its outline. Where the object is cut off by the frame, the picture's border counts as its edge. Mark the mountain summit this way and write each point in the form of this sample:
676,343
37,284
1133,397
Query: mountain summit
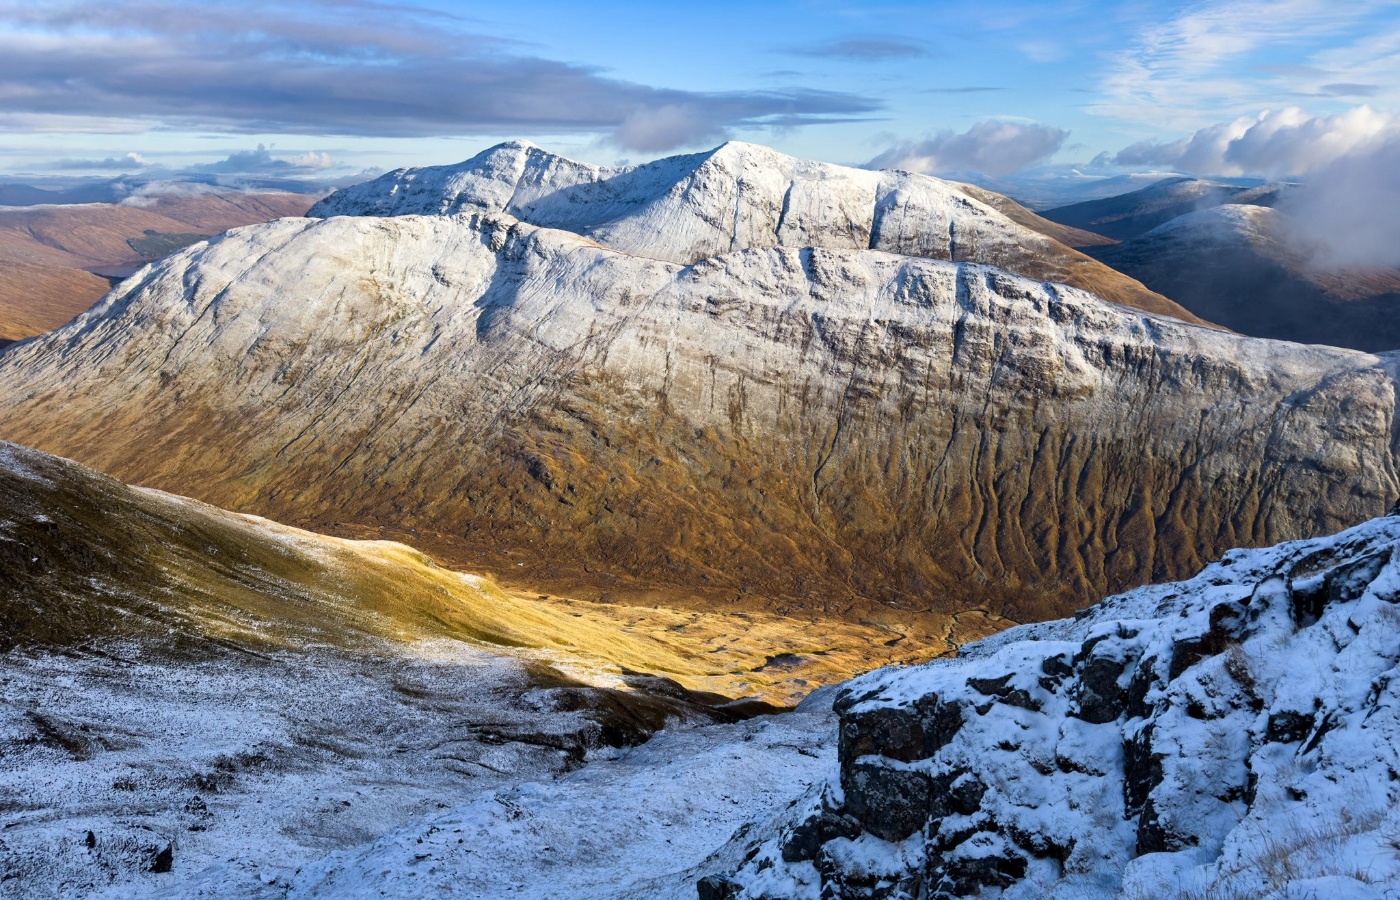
741,197
843,432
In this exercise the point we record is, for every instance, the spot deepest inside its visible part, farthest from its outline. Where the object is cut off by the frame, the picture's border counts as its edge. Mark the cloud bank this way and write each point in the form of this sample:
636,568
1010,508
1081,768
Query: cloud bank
330,67
1348,213
262,162
129,162
1274,144
990,148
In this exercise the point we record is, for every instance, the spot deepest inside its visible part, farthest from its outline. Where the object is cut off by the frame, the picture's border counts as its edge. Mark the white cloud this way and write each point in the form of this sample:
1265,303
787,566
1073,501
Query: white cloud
125,163
1348,215
1348,212
1274,144
991,148
1220,58
652,130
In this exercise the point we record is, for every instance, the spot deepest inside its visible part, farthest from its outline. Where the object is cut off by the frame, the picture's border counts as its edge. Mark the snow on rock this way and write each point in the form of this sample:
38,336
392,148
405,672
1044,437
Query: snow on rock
736,197
687,208
252,764
643,824
1235,735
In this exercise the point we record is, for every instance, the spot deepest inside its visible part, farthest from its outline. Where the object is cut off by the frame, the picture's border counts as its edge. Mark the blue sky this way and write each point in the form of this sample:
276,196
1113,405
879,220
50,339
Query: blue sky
336,86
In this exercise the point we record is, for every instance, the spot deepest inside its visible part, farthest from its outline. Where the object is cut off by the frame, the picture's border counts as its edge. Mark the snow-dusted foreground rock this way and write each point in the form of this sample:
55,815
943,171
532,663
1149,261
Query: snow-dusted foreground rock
643,824
123,776
1232,736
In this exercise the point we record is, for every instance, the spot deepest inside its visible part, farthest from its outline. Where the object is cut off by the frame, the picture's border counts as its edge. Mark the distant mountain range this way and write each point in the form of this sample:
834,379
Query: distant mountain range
1237,265
1044,189
1233,255
1125,216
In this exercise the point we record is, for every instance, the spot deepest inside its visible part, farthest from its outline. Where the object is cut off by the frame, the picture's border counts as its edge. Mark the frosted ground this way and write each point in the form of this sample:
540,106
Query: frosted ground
252,771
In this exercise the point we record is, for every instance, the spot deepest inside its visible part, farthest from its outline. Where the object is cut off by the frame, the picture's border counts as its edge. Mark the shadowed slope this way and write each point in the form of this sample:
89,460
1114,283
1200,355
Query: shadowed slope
808,430
1236,265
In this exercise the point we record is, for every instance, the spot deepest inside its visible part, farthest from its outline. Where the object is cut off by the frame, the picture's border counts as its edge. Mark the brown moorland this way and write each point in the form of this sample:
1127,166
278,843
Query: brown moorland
53,257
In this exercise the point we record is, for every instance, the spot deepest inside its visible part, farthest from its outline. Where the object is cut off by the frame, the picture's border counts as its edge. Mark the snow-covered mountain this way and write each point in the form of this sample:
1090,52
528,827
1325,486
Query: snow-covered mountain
1241,265
843,432
1235,735
1130,215
742,197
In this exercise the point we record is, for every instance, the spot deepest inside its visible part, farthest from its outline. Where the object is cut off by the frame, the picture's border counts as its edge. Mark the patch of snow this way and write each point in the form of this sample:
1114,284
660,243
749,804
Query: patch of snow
1234,735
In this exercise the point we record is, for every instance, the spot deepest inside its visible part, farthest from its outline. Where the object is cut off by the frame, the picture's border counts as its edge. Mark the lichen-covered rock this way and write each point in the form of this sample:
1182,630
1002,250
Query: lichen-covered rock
1234,735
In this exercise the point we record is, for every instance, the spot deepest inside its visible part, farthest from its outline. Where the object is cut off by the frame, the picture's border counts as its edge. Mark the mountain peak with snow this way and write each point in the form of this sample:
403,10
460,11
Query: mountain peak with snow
738,196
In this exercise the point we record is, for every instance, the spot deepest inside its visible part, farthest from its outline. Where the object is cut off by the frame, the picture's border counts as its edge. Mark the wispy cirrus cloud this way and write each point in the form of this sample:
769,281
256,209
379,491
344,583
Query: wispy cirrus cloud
1222,58
863,48
349,68
989,148
1349,89
971,89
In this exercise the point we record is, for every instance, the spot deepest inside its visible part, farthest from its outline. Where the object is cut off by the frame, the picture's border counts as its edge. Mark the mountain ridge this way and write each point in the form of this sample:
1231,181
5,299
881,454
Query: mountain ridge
822,430
740,196
1245,267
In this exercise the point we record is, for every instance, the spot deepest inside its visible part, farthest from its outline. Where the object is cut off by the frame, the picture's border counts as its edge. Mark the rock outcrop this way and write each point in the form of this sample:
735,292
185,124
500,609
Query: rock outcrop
1234,735
809,429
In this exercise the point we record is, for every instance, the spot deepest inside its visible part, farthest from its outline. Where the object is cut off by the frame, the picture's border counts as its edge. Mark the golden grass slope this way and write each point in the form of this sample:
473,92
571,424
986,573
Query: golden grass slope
86,560
48,254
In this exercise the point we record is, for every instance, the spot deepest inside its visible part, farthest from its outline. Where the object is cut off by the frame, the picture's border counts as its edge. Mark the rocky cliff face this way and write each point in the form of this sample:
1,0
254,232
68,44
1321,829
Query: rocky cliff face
743,197
1230,736
818,429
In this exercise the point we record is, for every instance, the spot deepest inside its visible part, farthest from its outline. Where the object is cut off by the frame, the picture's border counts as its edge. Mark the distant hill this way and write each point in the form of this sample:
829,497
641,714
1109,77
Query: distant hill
57,259
1039,191
1129,215
1234,264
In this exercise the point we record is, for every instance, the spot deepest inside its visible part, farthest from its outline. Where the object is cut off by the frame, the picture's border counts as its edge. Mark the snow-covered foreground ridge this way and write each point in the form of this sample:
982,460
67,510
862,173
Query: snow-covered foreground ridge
738,197
1232,736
